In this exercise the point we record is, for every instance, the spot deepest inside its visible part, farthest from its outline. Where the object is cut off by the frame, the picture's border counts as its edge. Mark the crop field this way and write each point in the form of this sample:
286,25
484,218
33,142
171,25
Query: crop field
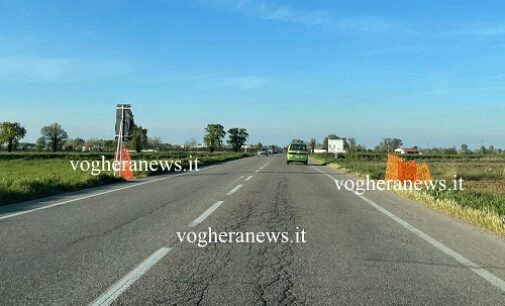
484,176
479,172
25,176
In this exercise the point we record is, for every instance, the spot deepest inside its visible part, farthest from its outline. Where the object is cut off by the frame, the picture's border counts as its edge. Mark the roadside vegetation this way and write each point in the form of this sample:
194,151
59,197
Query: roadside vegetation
482,202
33,170
26,176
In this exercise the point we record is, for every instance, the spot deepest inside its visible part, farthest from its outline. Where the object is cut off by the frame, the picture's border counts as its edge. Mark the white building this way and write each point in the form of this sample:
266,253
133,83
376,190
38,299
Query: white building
407,151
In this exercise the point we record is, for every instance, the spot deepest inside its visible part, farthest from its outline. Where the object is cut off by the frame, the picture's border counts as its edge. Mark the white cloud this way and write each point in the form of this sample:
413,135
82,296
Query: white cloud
35,69
287,13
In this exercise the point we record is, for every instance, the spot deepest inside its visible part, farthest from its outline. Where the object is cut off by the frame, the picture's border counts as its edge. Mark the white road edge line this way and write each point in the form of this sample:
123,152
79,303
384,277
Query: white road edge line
96,194
207,213
248,178
124,283
323,172
267,163
234,189
485,274
261,168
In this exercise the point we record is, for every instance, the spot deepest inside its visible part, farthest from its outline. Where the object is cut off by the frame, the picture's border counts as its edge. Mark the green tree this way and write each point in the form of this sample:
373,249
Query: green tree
11,133
139,139
214,134
464,149
108,145
238,137
190,144
312,144
360,148
154,143
55,135
79,142
450,151
390,144
41,144
351,144
73,144
69,145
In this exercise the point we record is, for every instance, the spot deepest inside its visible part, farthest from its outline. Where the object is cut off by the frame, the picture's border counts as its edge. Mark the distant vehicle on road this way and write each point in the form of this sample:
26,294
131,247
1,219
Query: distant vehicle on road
270,150
297,152
263,152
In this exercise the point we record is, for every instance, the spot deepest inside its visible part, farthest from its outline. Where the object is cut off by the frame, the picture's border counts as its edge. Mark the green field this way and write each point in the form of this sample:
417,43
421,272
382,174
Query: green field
484,176
25,176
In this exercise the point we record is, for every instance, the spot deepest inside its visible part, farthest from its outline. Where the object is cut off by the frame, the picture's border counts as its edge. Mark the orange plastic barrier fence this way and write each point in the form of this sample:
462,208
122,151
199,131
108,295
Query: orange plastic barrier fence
126,172
399,170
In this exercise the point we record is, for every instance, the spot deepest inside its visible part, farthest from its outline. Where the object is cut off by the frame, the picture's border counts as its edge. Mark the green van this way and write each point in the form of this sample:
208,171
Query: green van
297,152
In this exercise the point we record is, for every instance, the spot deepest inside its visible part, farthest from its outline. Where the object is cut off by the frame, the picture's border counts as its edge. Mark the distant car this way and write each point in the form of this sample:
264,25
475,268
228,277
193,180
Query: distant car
297,152
263,152
270,150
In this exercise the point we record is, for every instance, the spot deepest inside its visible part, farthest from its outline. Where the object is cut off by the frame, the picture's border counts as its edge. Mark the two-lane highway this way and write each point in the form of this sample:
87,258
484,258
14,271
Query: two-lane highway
120,245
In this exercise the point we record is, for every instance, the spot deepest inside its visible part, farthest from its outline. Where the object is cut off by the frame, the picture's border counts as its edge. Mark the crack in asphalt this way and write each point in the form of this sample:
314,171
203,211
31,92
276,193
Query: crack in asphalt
262,273
269,266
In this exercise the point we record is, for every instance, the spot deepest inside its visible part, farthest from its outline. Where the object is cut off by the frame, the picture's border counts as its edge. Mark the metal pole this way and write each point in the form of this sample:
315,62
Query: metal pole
118,157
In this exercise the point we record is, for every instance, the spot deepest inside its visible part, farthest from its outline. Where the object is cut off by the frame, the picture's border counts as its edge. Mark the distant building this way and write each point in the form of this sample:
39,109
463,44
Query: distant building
193,146
91,148
407,151
320,150
247,147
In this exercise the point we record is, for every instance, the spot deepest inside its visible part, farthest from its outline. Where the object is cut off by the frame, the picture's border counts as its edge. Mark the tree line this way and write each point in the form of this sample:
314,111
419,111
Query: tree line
214,134
54,138
53,135
388,145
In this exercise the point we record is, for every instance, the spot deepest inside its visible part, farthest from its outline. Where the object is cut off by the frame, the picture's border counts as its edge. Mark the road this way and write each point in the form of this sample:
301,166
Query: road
118,244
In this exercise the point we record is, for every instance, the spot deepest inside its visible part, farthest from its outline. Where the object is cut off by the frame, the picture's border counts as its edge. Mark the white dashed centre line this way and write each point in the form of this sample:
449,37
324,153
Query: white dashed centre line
124,283
207,213
235,189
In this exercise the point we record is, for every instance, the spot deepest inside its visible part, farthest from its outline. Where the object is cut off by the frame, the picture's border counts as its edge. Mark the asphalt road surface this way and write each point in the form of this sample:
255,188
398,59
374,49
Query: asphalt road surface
118,244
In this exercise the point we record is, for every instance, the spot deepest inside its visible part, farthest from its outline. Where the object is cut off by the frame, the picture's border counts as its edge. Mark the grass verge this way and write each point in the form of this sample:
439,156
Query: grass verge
30,176
484,209
483,217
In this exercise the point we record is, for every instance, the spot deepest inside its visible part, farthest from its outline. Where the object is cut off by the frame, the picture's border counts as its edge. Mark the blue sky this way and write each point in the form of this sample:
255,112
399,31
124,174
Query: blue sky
431,73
